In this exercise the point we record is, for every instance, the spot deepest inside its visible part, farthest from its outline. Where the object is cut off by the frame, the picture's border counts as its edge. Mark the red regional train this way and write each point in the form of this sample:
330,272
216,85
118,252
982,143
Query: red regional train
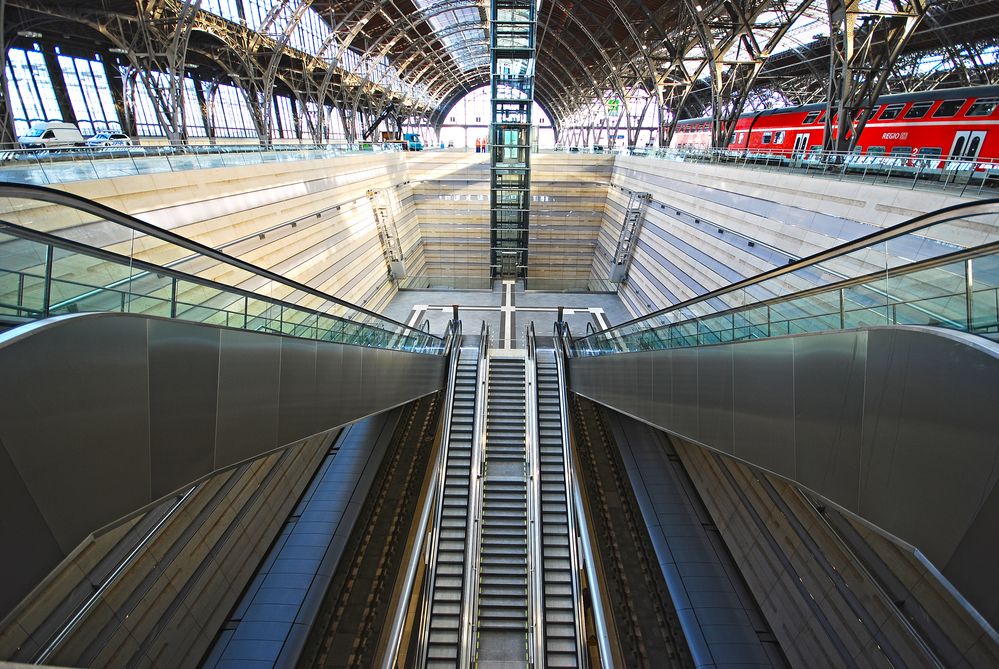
957,124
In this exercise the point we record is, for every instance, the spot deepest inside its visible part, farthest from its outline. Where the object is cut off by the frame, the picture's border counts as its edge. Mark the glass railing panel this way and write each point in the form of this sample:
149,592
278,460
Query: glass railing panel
934,296
151,295
869,286
22,294
83,279
984,294
865,305
22,277
84,283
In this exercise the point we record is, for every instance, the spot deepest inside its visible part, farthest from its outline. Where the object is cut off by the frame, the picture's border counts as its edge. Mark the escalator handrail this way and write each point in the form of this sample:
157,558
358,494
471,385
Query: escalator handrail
600,609
975,208
27,234
564,343
63,198
432,506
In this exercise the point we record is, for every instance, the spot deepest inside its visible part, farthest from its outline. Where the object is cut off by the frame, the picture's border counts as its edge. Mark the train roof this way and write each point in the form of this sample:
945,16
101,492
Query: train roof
920,96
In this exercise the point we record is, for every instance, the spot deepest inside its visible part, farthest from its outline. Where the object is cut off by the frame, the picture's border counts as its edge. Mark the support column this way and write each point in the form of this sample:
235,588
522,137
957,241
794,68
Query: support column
59,86
116,83
512,46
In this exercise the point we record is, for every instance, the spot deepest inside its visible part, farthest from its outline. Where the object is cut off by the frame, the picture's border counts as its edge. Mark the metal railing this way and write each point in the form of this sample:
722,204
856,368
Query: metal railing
45,274
924,171
470,602
939,269
64,165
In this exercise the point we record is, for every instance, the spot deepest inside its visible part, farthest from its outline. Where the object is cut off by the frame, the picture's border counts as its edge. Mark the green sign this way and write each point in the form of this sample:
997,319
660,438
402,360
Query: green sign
613,107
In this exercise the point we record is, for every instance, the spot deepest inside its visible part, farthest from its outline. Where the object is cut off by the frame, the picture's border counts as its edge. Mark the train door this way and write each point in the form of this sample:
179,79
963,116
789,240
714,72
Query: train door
967,145
800,144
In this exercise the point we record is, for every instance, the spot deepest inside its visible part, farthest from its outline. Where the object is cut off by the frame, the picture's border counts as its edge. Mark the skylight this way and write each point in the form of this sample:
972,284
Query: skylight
460,29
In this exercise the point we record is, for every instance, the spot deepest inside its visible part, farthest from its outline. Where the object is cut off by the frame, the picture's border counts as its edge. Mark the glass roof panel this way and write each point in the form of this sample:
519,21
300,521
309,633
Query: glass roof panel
459,28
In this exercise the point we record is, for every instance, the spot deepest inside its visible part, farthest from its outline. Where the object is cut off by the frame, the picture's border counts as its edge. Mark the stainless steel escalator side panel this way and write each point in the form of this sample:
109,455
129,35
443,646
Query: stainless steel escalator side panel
102,414
897,425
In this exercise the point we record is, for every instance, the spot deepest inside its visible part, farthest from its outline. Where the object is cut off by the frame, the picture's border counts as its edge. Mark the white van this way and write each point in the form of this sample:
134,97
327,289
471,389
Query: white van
51,135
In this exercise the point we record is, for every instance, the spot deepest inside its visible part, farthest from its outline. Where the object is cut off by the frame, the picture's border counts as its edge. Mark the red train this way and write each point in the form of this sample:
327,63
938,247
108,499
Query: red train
957,124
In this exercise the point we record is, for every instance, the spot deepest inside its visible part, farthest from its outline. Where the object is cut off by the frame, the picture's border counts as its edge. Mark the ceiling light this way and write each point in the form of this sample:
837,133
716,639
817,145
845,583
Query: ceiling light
31,34
116,49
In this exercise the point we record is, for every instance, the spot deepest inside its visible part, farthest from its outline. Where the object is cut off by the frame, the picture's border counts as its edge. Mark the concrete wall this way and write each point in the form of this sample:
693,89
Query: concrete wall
825,604
568,195
568,208
164,609
711,225
309,220
707,226
451,195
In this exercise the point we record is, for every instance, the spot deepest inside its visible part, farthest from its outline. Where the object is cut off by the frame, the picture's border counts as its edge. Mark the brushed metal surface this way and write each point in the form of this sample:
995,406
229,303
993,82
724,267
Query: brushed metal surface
684,392
930,439
897,425
715,396
763,417
297,399
183,386
74,420
249,387
37,547
101,414
828,406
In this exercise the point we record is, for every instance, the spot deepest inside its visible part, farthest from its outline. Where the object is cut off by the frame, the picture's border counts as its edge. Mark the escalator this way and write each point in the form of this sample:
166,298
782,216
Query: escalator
502,616
502,583
857,389
560,625
118,347
447,579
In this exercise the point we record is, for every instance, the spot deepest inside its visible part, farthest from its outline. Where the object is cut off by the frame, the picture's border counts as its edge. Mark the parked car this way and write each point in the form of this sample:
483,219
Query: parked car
51,135
109,139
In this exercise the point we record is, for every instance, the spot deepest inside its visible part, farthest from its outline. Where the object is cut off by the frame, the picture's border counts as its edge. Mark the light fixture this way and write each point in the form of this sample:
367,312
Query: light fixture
117,49
30,34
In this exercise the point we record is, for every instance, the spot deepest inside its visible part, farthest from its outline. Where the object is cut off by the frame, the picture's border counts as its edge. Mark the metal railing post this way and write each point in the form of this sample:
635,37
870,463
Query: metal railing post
969,294
20,293
173,299
47,287
842,308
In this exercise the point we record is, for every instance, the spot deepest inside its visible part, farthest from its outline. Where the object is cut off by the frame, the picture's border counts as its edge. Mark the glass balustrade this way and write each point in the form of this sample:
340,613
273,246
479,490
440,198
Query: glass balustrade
46,270
941,270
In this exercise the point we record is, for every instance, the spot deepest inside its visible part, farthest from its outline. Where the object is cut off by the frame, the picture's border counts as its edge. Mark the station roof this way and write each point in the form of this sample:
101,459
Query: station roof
432,52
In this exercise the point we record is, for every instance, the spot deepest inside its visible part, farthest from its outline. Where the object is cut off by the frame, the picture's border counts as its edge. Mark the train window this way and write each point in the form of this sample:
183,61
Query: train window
948,108
875,150
901,151
779,137
891,111
983,107
811,117
767,136
918,109
930,152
